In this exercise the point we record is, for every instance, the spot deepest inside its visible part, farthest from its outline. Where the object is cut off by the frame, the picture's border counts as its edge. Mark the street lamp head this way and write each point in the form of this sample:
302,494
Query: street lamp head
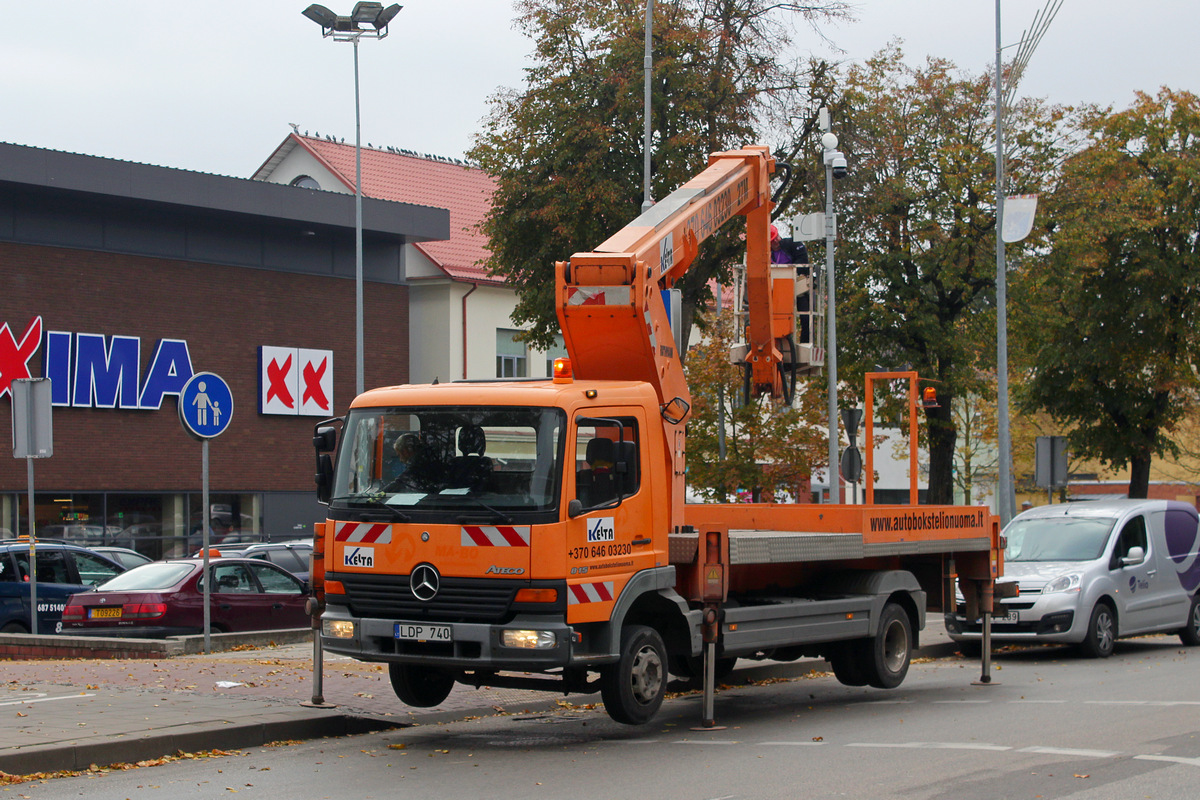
387,15
351,28
321,15
374,14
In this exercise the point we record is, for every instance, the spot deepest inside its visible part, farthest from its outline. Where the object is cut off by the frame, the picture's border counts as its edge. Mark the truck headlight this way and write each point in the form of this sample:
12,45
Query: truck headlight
1063,583
337,628
530,640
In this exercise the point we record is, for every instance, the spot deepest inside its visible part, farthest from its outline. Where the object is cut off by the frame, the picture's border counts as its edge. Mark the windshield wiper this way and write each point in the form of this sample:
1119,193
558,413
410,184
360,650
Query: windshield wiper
352,500
505,518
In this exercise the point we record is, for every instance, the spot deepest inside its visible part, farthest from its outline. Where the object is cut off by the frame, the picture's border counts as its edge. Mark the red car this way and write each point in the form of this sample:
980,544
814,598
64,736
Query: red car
166,598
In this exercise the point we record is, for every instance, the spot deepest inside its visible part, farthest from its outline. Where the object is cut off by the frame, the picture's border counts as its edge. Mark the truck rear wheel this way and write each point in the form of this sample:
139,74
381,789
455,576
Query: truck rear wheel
846,659
886,655
420,687
634,687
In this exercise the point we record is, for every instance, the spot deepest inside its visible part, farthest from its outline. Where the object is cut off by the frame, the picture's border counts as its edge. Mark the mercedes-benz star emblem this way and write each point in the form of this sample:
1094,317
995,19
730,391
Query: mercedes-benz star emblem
424,582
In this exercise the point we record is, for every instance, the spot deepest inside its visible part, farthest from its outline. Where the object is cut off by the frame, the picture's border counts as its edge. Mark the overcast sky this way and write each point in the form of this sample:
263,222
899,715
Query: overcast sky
213,86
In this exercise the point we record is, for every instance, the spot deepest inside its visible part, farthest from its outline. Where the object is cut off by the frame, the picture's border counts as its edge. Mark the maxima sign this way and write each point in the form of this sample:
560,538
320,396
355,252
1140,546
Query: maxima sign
92,370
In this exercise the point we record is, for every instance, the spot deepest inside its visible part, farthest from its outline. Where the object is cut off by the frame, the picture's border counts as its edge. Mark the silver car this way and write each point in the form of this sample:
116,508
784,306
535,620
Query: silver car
1092,572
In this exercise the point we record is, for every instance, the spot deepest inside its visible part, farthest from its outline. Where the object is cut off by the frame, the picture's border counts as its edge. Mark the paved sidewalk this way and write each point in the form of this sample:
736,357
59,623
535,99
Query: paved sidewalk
70,714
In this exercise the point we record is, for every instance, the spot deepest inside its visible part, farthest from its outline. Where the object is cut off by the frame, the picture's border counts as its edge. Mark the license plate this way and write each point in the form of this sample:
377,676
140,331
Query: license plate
1010,618
104,613
423,633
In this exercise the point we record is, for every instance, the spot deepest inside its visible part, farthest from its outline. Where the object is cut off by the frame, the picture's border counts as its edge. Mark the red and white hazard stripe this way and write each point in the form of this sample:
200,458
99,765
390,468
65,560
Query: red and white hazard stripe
366,532
495,536
590,593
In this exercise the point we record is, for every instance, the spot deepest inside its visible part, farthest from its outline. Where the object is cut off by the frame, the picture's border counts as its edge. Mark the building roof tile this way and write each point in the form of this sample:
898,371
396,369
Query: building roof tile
462,189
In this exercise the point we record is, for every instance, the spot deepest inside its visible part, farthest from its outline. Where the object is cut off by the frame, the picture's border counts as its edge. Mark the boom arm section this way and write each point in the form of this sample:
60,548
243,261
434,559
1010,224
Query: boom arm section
609,301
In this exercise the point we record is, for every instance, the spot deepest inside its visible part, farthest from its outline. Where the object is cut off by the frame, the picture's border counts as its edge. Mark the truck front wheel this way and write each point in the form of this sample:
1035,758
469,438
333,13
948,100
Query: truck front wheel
633,687
887,654
420,687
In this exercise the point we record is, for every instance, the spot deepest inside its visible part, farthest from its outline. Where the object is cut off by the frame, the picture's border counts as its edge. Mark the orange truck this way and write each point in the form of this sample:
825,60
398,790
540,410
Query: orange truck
534,534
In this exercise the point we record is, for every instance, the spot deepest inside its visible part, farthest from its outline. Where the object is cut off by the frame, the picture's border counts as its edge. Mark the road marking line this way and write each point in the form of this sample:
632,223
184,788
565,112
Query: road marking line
963,702
1194,762
932,745
1037,702
44,699
793,744
1065,751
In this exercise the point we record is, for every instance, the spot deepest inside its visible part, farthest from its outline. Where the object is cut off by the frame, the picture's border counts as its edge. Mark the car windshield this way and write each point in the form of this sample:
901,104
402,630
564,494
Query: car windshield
492,460
1063,538
148,577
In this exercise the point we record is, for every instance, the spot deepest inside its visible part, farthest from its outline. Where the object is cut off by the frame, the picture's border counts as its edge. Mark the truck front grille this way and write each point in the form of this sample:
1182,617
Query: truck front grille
482,600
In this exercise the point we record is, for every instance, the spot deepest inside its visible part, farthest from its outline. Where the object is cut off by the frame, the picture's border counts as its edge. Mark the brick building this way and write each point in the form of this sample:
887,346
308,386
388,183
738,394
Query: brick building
119,281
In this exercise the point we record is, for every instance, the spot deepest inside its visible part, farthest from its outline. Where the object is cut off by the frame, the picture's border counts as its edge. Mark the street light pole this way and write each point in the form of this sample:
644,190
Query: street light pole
648,63
359,383
347,29
835,167
351,29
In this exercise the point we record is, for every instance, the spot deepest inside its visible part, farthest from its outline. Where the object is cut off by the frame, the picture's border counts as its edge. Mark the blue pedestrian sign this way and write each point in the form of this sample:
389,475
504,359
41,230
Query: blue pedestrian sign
205,405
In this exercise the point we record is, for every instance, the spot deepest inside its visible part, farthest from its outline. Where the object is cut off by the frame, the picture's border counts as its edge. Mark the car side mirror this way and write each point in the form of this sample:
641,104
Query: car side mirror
1135,556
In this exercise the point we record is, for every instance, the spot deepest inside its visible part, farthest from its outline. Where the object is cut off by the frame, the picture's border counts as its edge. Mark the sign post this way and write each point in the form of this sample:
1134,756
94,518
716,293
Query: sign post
205,409
33,437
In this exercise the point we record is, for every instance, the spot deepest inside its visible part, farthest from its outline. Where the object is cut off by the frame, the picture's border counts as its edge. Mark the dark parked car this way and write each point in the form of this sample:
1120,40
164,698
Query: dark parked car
166,598
62,570
123,555
292,556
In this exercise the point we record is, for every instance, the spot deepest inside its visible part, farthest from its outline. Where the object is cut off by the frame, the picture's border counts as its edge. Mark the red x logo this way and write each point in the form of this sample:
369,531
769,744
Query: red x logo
277,375
312,384
14,356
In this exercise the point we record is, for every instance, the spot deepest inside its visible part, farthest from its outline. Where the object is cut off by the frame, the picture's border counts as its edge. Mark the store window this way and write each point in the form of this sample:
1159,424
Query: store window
511,355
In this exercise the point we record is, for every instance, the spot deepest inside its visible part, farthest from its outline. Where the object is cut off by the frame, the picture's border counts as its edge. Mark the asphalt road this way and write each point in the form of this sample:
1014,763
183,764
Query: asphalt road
1050,726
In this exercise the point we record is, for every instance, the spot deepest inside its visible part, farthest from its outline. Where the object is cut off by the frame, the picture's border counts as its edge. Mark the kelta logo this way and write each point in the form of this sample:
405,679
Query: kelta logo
14,355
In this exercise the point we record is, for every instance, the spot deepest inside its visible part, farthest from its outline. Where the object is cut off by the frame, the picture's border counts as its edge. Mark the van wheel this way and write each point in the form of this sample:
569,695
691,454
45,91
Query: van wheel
1190,634
634,687
1101,633
887,654
14,627
420,687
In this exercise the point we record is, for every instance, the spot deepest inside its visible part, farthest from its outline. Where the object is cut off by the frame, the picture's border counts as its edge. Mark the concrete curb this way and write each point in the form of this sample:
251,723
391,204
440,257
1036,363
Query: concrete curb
26,646
270,727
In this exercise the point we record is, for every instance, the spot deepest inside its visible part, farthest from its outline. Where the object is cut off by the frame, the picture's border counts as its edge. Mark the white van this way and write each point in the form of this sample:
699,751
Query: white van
1092,572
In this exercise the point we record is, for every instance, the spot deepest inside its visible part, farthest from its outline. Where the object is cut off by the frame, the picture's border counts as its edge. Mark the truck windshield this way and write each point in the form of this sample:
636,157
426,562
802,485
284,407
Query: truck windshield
490,460
1057,538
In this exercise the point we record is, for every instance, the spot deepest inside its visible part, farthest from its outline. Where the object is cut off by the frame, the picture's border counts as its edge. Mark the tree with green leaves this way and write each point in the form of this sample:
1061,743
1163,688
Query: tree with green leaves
915,260
768,448
566,151
1110,318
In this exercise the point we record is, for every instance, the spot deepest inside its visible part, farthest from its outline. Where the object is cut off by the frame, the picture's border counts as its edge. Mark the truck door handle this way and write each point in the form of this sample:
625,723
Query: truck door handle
1151,573
277,606
224,606
637,542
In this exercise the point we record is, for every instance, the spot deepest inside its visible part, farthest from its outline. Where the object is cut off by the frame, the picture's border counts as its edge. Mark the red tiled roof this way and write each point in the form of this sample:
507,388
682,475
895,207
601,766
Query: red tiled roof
465,191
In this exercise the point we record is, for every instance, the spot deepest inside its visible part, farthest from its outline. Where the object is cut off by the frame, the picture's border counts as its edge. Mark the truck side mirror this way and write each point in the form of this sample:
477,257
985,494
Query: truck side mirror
574,507
325,440
324,478
1135,556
